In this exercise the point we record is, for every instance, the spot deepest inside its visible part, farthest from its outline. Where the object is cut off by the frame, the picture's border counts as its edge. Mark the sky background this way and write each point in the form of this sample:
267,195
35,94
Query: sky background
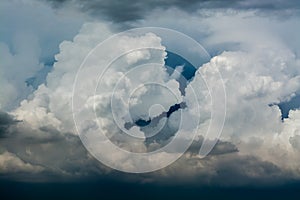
255,46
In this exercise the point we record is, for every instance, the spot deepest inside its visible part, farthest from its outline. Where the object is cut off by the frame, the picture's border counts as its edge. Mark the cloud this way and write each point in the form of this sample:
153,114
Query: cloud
47,155
50,122
50,104
29,39
10,163
253,122
259,70
6,121
45,152
219,171
45,136
126,11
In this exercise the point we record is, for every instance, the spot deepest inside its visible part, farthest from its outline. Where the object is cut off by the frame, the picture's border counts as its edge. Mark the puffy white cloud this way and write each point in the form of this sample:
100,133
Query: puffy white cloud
283,147
50,104
251,123
52,101
255,81
260,69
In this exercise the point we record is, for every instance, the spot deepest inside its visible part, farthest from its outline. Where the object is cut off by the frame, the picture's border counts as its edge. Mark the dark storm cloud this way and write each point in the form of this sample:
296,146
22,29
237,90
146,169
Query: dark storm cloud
227,170
5,121
60,155
63,157
127,10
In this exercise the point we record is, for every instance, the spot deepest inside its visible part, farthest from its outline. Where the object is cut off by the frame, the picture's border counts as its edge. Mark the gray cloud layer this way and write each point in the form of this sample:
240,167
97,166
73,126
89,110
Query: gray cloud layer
47,155
124,11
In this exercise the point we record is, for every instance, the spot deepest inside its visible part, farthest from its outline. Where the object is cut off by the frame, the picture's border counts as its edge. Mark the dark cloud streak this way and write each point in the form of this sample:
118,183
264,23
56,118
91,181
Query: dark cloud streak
127,10
6,120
